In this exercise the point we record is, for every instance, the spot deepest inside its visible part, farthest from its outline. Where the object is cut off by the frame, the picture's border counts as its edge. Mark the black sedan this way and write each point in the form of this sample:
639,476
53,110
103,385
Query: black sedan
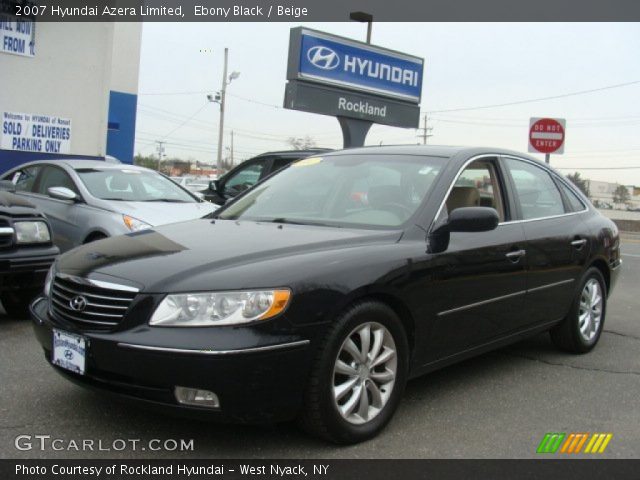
319,292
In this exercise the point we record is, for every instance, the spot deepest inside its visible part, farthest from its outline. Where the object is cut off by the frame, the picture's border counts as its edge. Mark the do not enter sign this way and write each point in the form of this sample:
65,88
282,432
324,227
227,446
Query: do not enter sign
546,135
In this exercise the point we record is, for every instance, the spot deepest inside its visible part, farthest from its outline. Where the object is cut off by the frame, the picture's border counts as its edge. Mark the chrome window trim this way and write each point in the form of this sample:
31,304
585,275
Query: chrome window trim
552,174
98,283
460,170
267,348
500,156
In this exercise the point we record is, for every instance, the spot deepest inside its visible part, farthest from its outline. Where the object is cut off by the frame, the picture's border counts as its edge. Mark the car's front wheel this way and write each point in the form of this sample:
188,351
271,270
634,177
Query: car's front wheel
359,375
580,331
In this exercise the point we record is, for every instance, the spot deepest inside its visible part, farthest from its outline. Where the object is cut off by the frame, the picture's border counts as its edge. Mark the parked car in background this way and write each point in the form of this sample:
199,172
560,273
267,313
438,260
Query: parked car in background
251,171
319,292
26,252
87,200
195,185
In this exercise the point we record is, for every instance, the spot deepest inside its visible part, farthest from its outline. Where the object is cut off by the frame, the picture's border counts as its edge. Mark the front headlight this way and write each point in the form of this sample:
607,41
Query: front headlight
49,280
134,224
219,308
32,232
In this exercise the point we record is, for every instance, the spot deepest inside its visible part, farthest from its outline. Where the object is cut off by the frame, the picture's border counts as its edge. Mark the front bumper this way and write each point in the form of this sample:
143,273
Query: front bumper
260,381
25,267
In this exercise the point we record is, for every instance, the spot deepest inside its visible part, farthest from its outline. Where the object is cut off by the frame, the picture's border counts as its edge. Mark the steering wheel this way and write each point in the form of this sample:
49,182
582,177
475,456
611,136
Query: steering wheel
399,209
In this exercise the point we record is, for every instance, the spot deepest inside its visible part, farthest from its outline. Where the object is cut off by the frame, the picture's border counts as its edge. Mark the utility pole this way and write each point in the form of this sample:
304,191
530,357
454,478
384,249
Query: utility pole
425,130
231,148
223,92
160,152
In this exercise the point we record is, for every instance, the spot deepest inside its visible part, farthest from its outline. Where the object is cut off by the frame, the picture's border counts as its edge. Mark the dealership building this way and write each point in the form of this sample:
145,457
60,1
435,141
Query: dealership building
67,90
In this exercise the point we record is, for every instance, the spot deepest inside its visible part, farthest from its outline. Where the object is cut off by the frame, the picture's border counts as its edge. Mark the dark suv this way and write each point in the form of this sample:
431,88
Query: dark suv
26,252
250,172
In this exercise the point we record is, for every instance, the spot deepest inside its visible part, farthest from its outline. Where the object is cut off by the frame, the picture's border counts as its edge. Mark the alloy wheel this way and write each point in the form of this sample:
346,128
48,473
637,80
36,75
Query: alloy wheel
590,311
364,373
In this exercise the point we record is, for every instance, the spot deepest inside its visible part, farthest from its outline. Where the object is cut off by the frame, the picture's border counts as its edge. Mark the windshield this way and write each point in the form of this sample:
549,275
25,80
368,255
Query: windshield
356,190
132,186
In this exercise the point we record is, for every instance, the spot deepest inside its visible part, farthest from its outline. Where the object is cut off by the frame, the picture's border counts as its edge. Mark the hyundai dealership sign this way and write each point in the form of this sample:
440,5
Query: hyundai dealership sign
337,61
338,76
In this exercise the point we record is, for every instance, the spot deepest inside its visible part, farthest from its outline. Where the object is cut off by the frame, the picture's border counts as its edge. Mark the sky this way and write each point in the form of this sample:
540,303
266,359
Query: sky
467,66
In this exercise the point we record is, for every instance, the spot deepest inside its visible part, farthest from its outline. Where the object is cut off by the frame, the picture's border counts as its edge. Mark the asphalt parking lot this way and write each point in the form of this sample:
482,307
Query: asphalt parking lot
498,405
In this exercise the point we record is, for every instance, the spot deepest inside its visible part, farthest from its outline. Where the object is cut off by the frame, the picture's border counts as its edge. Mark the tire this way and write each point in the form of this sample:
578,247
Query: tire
16,304
357,383
580,331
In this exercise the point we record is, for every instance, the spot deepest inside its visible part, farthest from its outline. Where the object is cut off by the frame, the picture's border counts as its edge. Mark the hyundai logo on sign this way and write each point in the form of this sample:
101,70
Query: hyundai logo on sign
323,58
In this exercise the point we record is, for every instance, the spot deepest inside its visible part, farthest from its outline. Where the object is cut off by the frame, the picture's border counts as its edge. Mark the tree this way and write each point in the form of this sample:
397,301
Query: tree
621,194
147,162
578,181
301,143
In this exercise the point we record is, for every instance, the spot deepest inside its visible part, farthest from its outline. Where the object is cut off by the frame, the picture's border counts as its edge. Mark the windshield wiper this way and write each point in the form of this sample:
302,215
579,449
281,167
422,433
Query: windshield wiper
116,199
299,222
168,200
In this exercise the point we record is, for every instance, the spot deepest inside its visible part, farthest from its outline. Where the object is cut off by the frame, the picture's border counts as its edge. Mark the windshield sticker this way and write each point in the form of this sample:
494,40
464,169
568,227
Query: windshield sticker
308,161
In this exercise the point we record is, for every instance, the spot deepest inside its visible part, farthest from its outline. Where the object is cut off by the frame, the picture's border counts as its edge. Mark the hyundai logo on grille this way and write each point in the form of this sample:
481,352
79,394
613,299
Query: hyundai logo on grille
323,57
78,303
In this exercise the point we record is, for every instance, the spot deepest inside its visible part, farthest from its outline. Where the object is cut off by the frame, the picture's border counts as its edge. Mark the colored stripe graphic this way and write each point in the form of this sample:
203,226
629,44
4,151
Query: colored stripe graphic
572,443
598,443
550,443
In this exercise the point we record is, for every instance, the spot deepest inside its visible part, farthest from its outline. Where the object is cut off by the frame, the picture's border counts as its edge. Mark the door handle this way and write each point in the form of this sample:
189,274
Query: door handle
579,243
516,255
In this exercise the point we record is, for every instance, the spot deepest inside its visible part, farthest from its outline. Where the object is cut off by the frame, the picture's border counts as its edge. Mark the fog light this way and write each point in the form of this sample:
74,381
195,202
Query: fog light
196,397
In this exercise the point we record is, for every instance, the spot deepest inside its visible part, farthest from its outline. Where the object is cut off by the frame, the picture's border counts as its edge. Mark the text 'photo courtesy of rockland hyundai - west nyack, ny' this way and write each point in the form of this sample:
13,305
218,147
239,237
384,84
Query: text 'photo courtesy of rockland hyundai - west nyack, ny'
307,235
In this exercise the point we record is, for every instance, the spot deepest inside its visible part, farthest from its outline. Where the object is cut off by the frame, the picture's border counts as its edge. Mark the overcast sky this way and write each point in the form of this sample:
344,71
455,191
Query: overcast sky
467,65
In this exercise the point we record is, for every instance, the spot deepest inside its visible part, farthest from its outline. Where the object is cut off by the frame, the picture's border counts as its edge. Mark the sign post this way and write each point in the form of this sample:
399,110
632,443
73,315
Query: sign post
546,135
358,83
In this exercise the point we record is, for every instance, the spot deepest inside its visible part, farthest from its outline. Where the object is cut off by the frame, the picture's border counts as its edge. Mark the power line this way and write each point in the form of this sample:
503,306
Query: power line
540,99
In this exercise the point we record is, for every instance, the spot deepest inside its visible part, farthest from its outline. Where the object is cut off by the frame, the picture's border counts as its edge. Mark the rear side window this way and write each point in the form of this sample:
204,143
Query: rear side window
575,204
537,193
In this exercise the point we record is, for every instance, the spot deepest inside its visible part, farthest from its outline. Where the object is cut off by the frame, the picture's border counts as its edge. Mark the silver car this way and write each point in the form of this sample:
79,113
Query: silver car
86,200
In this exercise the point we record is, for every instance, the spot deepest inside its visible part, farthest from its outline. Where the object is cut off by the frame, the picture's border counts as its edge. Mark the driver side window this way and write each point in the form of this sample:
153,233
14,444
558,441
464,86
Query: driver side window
477,186
243,179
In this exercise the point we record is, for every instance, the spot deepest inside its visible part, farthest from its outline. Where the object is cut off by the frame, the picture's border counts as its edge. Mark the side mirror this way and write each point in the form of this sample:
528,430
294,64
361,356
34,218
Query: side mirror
465,219
213,185
62,193
473,219
7,186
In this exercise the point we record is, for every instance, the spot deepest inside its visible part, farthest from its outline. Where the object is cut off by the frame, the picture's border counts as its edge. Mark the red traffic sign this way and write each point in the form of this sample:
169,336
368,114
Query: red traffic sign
546,135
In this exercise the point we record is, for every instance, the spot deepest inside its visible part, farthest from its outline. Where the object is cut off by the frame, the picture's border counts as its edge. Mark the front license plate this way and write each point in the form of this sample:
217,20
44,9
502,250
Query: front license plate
69,351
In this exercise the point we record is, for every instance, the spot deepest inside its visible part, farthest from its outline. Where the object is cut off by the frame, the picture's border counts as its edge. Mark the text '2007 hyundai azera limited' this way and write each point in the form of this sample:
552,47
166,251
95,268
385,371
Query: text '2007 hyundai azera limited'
317,293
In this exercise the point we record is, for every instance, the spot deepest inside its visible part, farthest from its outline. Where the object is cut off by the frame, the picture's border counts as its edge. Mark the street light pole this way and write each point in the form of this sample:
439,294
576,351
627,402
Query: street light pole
223,92
363,17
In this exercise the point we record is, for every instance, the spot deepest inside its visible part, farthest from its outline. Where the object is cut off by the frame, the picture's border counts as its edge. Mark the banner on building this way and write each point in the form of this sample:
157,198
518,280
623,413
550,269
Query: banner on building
35,133
17,36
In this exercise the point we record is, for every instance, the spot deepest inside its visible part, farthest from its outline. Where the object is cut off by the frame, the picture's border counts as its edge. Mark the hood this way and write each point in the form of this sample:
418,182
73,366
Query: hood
161,213
201,253
15,205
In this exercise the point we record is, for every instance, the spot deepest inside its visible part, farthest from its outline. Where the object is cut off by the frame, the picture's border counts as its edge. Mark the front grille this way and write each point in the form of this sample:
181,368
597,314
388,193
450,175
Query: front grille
6,239
104,307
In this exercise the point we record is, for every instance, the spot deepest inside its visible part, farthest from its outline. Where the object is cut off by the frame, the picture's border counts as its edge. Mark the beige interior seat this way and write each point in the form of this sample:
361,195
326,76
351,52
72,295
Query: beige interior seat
463,197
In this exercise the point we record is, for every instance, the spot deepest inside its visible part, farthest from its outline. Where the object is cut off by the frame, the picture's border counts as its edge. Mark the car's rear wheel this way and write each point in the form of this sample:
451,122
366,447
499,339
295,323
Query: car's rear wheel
580,331
358,376
16,304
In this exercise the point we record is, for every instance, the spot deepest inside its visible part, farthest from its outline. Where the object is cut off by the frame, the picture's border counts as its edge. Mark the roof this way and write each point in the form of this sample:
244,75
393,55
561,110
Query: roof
428,150
82,164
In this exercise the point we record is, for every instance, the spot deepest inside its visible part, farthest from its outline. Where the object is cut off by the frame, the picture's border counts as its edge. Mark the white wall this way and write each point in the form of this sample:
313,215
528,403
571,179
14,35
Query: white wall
125,62
69,77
